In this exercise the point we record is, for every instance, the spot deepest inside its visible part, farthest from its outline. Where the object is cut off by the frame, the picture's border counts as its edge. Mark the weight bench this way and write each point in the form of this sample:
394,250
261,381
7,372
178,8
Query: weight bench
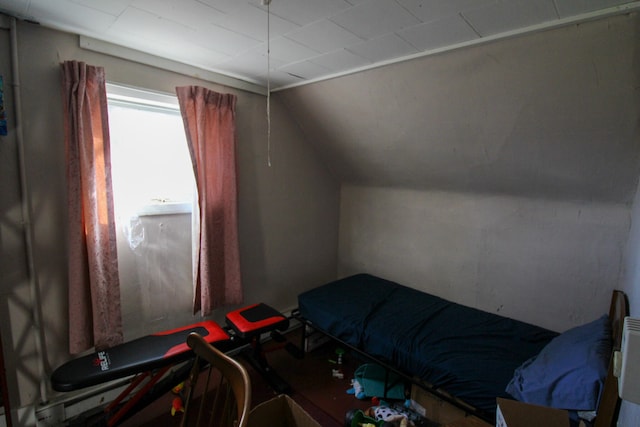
249,323
151,357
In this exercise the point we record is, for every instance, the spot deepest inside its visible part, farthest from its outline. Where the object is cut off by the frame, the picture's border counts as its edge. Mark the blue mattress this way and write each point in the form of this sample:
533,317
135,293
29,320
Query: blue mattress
469,353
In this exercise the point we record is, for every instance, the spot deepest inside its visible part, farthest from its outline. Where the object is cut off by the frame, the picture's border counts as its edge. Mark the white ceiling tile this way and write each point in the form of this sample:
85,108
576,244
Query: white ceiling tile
147,25
189,54
226,41
323,36
383,48
288,50
436,34
434,10
86,20
307,37
510,15
227,6
163,37
190,13
252,21
112,7
574,7
277,78
206,59
303,12
340,60
374,18
305,69
253,60
280,79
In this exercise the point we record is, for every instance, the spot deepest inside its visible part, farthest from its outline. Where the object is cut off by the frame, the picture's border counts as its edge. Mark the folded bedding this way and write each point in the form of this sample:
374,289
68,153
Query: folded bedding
469,353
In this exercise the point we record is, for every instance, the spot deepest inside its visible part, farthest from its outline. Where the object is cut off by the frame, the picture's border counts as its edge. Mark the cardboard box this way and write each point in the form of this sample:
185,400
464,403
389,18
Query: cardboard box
281,411
512,413
434,408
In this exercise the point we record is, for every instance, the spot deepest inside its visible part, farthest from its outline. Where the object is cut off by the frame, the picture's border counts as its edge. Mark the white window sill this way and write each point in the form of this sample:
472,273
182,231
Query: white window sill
165,209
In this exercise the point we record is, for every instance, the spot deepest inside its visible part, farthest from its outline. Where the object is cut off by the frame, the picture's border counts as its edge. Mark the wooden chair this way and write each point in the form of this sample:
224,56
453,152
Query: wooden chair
226,397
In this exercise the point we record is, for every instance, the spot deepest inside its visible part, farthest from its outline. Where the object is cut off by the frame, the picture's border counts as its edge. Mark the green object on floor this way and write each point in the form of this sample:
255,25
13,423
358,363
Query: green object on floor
359,419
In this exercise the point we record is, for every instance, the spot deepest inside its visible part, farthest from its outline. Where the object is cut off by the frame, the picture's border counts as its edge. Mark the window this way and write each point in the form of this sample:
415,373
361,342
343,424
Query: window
154,191
151,166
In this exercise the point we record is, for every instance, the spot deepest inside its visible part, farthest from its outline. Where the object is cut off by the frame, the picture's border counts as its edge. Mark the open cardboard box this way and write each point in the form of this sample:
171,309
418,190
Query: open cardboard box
512,413
281,411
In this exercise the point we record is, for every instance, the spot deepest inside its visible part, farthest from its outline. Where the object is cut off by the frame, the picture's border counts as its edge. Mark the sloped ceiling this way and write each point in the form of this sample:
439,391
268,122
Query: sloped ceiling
309,39
554,114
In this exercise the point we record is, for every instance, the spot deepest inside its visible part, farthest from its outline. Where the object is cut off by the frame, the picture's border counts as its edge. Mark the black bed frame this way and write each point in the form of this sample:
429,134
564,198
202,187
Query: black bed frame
440,394
608,407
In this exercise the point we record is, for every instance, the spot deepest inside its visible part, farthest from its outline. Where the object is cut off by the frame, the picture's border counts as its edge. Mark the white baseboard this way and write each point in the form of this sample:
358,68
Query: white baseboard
64,408
21,417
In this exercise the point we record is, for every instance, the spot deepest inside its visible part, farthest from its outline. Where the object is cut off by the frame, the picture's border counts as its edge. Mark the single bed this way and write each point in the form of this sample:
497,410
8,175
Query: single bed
468,356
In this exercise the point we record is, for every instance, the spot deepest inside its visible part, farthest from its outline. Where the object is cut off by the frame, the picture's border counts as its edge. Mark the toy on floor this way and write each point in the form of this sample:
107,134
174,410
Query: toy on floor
177,404
391,415
356,389
372,380
387,414
357,418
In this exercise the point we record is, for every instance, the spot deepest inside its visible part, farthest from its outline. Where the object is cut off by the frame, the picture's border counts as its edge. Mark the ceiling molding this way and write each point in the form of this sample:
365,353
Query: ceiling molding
96,45
573,20
100,46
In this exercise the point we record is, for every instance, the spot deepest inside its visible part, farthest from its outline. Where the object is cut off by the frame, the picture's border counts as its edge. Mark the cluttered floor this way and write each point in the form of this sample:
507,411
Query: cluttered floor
320,383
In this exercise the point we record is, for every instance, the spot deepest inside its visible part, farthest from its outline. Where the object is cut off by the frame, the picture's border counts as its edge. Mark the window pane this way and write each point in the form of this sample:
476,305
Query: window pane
154,188
150,159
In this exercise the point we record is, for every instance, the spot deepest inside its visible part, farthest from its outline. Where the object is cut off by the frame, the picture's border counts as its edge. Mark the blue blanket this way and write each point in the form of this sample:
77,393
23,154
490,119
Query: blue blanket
469,353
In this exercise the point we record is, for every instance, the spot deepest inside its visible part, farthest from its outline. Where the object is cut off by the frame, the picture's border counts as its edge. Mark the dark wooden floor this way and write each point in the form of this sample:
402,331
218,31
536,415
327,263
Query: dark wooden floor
314,387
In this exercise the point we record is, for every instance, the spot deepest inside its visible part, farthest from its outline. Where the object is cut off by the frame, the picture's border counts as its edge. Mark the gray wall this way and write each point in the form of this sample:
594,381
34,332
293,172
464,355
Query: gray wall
551,115
288,212
547,262
500,176
14,281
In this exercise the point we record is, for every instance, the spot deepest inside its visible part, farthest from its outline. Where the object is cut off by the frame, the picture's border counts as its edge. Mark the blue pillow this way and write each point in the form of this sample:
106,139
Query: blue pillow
569,372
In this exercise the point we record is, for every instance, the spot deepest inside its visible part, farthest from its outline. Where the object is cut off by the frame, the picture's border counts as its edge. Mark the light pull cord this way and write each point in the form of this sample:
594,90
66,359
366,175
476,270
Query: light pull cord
268,2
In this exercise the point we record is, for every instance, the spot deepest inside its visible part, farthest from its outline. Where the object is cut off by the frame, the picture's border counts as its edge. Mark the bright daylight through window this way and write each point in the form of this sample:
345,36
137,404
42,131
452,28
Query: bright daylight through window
154,192
151,167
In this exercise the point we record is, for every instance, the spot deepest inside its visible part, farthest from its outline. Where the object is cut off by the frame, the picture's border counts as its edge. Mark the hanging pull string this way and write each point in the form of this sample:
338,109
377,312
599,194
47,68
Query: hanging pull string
267,3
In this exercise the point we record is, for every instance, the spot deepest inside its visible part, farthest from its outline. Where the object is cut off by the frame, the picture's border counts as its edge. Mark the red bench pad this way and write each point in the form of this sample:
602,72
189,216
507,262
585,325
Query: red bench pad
256,319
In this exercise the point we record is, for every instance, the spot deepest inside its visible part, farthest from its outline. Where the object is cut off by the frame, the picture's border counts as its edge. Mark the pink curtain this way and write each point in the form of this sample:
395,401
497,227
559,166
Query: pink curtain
209,120
94,286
